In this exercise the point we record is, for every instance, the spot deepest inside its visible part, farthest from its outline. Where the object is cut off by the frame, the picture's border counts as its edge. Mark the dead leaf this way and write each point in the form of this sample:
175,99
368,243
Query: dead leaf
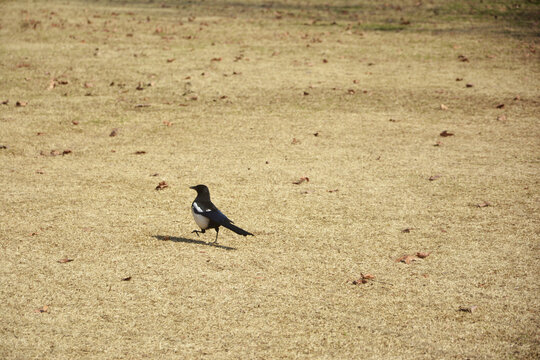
434,177
301,180
54,152
363,279
5,102
501,117
114,132
75,122
65,260
316,134
126,278
162,185
407,230
445,133
332,191
517,98
422,255
325,61
167,123
140,86
483,204
170,60
438,143
463,58
351,92
306,93
216,59
500,106
469,85
295,141
67,151
3,147
407,259
88,85
469,309
459,79
444,107
43,309
21,103
142,105
140,152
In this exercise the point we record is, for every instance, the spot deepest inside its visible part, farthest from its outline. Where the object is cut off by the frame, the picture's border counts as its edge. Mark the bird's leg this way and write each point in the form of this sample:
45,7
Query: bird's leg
197,232
217,233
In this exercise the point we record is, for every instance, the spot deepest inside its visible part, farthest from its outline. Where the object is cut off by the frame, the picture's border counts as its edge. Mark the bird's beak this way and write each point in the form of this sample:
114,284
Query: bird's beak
192,187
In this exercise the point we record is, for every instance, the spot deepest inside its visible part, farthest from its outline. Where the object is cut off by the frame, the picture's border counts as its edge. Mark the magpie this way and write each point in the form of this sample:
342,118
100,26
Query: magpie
208,216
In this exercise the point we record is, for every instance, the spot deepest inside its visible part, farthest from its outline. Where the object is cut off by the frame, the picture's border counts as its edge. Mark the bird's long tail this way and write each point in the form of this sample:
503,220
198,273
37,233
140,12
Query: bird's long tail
237,230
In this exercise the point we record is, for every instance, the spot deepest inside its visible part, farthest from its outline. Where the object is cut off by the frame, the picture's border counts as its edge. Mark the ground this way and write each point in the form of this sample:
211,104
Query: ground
102,101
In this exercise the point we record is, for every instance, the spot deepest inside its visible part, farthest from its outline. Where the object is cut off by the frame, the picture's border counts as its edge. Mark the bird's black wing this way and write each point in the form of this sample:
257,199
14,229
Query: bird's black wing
219,218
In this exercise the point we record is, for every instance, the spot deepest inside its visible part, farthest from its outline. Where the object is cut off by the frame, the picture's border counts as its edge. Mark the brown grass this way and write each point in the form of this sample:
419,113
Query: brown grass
286,293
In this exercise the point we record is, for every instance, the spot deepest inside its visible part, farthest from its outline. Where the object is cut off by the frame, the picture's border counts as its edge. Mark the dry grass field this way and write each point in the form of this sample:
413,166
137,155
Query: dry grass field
103,100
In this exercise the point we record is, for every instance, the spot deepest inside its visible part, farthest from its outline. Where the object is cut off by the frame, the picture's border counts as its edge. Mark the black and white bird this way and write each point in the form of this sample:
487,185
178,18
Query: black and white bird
208,216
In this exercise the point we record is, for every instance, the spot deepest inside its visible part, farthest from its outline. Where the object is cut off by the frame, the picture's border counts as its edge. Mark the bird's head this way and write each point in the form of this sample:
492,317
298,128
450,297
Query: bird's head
201,190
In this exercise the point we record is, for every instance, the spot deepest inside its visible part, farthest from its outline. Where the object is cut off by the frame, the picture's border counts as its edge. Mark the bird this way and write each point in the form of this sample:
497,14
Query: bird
207,215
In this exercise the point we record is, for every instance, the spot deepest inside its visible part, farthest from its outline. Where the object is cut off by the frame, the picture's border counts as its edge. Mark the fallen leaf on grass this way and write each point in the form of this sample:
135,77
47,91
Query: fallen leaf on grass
407,230
142,105
445,133
483,204
216,59
126,278
5,102
167,123
67,151
351,91
65,260
295,141
434,177
162,185
140,152
301,180
332,191
469,309
113,133
363,279
170,60
438,143
407,259
3,147
500,106
422,255
463,58
469,85
21,103
501,117
459,79
43,309
88,85
74,122
444,107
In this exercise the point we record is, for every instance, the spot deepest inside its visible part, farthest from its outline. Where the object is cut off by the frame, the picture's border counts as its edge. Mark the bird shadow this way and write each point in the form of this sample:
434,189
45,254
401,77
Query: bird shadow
192,241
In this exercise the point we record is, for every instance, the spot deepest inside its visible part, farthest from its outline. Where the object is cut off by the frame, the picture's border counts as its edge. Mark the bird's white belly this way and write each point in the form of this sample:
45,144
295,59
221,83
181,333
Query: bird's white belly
202,221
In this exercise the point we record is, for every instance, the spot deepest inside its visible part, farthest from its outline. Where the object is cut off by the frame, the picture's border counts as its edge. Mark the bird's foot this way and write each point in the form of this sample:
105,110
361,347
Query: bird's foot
196,232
